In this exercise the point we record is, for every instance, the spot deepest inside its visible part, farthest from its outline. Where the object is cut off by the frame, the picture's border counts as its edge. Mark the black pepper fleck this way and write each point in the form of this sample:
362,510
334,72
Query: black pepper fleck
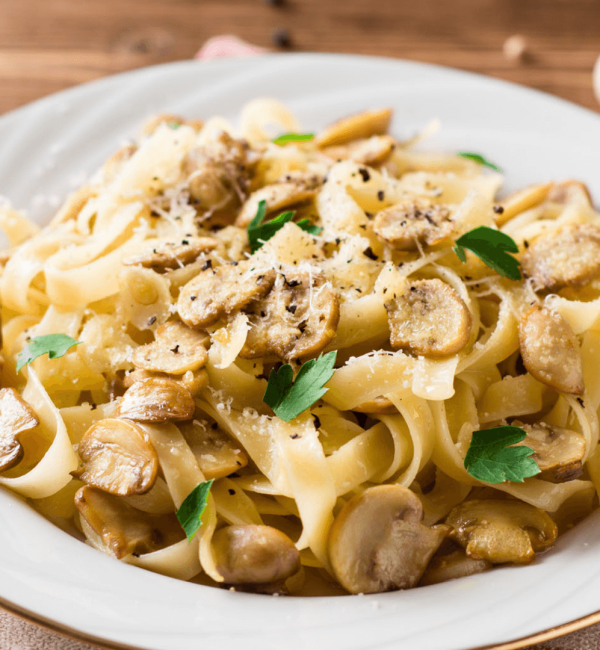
152,320
368,252
365,174
381,195
498,209
231,491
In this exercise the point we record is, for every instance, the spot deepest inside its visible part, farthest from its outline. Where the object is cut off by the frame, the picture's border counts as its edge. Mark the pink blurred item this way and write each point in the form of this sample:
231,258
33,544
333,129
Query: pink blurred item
222,47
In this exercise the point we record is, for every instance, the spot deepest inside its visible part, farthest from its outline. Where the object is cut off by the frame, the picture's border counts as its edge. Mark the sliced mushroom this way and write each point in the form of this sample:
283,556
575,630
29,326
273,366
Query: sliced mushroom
279,196
378,405
254,555
175,350
558,452
570,192
521,201
568,258
124,529
157,400
217,454
378,543
194,381
297,319
218,172
454,565
355,127
410,223
117,458
163,254
550,350
429,318
171,120
501,530
215,293
16,416
370,151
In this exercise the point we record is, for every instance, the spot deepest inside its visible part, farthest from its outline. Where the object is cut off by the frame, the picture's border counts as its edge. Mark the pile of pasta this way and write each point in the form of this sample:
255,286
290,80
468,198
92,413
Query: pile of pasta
179,324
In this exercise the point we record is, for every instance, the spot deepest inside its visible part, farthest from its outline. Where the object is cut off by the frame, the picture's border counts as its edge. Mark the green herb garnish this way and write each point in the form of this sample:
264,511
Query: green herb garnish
284,138
491,248
492,459
54,345
259,232
288,398
191,510
479,159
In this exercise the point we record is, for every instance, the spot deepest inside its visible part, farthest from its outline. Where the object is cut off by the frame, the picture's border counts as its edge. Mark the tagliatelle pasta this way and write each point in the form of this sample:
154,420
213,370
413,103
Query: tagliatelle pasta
200,264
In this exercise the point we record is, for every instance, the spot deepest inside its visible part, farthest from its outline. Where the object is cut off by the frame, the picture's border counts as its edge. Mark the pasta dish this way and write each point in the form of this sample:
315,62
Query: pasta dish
306,364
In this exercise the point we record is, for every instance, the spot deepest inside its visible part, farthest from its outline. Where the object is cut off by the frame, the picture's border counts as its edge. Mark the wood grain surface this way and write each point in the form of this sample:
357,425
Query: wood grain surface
47,45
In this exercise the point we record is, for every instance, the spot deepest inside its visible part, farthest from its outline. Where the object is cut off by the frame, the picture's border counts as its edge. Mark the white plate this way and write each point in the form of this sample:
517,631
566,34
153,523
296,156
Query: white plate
49,145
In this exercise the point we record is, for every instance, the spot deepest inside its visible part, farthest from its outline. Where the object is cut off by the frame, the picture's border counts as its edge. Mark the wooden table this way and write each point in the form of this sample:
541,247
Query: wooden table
47,45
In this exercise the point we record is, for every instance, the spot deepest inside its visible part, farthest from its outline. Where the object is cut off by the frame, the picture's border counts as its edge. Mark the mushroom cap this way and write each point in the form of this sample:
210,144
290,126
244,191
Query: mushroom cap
118,457
550,350
429,318
354,127
254,555
377,542
16,416
164,254
451,566
157,400
413,222
501,530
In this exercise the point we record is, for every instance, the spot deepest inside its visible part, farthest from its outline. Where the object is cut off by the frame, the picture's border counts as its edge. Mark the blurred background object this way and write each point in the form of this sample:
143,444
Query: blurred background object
47,45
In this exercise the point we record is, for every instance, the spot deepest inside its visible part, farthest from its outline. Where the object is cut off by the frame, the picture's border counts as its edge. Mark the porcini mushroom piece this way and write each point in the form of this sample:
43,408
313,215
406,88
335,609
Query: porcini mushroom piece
193,381
124,529
157,400
369,151
117,458
215,293
175,350
16,416
296,320
279,196
550,350
501,530
558,452
254,555
410,223
355,127
429,318
451,566
165,254
377,542
218,455
567,258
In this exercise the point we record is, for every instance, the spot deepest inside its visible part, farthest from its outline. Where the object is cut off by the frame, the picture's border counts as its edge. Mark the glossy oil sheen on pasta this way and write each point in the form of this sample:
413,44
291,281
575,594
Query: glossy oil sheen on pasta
149,267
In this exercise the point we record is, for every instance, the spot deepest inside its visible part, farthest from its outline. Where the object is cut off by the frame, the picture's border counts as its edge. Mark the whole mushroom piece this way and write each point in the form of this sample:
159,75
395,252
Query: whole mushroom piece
16,416
378,543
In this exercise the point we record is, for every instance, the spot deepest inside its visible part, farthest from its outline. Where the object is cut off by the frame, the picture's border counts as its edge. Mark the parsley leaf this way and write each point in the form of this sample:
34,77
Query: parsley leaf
54,345
479,159
191,510
288,398
491,458
491,247
259,232
284,138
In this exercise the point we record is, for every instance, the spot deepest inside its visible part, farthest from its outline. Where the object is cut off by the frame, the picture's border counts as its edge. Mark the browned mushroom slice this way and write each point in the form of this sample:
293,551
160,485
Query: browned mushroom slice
501,531
568,258
558,452
16,416
254,555
279,196
157,400
218,172
124,529
429,318
297,319
194,381
217,454
355,127
454,565
176,349
215,293
410,223
550,350
164,255
377,542
370,151
173,121
117,458
378,405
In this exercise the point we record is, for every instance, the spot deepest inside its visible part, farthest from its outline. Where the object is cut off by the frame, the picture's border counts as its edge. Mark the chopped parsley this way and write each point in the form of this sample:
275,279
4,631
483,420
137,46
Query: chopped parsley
191,510
54,345
492,248
479,159
284,138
